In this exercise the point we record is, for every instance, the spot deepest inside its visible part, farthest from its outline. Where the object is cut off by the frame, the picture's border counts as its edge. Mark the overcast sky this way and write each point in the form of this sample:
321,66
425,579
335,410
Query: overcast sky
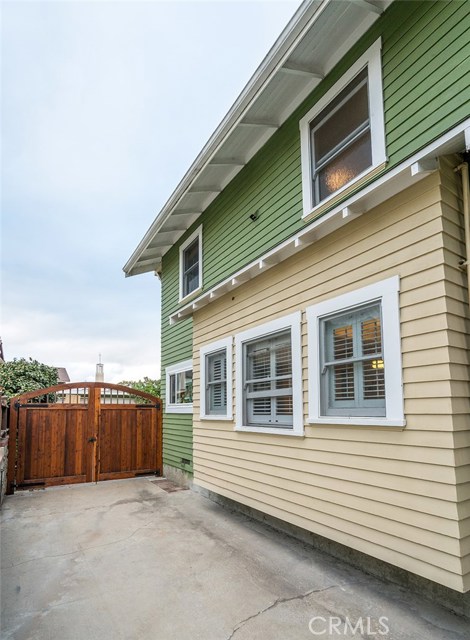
104,105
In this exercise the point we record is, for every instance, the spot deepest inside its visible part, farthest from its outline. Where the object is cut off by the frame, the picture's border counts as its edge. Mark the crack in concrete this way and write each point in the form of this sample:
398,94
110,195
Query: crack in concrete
80,549
277,602
59,555
108,544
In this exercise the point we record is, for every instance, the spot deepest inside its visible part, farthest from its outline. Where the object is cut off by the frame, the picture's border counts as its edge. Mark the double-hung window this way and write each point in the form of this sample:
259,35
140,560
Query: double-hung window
340,140
342,136
179,387
216,380
352,365
269,393
355,374
191,264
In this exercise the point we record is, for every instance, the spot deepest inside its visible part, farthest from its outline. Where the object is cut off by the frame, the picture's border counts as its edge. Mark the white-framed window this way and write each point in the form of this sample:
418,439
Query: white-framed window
343,135
216,380
179,387
269,377
354,358
191,265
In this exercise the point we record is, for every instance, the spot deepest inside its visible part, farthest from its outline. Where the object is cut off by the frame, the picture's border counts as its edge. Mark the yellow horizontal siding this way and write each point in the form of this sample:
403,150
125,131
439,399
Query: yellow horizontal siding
391,493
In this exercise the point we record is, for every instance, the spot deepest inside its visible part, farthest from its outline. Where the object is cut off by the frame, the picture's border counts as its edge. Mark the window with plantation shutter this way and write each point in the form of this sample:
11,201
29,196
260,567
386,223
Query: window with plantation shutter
268,370
354,358
216,380
268,381
353,368
216,383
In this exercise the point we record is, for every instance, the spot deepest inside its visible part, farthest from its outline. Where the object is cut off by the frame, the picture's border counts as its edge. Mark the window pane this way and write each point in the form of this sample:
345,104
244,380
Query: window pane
343,343
348,118
373,379
181,387
172,389
191,268
371,335
284,406
188,386
344,382
344,167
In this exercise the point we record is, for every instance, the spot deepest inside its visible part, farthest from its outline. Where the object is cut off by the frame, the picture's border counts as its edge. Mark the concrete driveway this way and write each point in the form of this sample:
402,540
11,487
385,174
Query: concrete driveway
127,560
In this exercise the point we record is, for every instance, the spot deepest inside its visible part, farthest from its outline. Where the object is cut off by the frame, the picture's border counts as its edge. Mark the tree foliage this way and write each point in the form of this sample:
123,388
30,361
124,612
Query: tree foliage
146,384
21,375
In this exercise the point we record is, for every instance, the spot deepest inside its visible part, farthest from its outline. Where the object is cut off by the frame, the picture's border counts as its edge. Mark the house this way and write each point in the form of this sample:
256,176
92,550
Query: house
315,318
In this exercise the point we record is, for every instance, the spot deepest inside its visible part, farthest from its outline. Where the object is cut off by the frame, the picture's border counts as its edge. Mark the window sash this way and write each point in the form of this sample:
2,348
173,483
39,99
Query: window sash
320,163
181,387
190,273
268,396
351,377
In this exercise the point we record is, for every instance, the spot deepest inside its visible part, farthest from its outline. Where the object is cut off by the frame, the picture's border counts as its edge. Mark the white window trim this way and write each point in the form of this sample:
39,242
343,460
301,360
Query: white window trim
373,61
226,344
197,234
387,292
292,322
172,407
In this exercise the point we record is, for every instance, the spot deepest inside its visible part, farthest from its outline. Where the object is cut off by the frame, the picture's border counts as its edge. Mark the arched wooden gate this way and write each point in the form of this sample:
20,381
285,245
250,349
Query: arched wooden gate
83,432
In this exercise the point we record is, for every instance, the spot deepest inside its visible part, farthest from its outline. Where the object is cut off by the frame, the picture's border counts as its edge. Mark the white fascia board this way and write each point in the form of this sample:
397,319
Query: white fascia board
307,14
371,196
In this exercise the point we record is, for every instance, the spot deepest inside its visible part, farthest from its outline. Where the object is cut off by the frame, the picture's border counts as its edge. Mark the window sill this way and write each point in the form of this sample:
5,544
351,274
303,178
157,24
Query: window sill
214,417
357,422
271,431
179,408
190,295
342,193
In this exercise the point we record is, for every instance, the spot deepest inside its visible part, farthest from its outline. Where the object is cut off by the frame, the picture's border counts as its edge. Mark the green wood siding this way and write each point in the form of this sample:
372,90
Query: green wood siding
425,57
176,347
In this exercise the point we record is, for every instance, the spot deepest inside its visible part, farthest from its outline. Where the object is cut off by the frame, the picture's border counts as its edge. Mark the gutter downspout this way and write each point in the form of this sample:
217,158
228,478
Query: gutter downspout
465,264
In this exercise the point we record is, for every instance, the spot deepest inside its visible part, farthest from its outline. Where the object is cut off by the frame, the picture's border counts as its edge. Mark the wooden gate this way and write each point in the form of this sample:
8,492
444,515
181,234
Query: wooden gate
83,432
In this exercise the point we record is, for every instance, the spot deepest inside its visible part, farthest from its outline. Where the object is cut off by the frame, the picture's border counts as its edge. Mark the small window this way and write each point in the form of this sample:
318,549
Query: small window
355,374
216,380
191,264
269,389
343,135
179,387
340,140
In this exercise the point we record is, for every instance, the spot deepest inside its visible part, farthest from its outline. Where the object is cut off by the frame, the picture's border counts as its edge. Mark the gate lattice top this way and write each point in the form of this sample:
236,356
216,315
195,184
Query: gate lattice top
78,393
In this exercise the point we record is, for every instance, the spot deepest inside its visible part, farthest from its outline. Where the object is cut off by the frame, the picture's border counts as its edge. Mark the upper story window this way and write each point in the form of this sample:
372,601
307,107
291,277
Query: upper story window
179,387
191,264
216,380
269,387
342,136
354,353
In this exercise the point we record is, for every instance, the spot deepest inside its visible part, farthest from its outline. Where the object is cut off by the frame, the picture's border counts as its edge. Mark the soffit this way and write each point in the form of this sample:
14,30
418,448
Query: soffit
304,54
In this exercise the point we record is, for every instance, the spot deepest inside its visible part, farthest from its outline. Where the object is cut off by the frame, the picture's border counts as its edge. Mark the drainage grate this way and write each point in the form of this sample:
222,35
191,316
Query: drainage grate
167,485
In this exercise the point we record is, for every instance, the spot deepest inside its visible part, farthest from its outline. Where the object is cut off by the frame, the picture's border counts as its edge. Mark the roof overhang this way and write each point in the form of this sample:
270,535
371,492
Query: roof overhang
305,52
410,172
